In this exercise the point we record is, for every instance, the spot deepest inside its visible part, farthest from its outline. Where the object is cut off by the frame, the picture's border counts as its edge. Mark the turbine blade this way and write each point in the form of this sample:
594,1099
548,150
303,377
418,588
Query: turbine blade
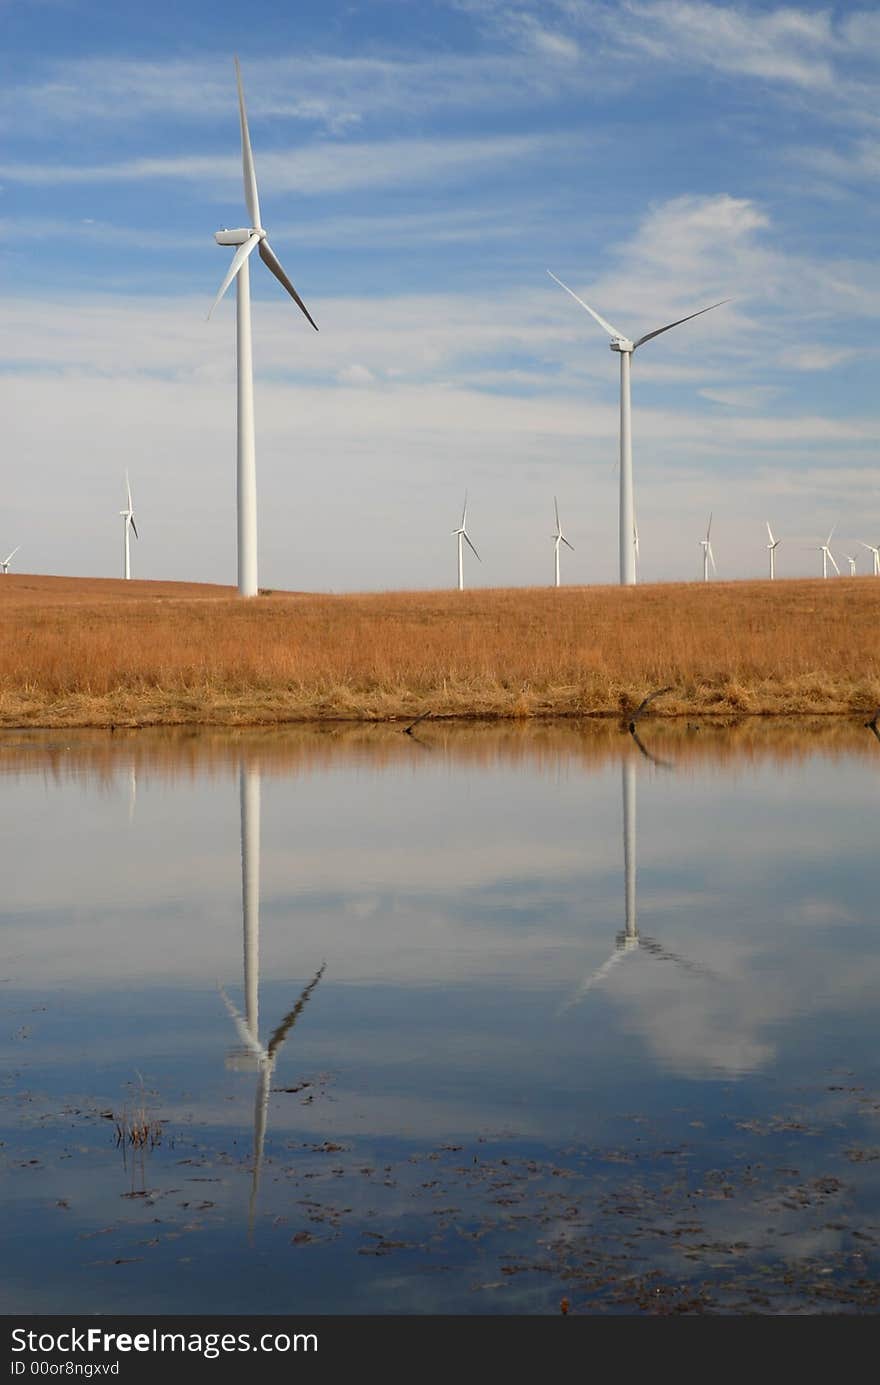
834,563
712,559
247,1039
471,547
128,488
272,262
556,503
612,331
236,263
650,335
770,533
134,526
464,513
709,528
247,157
566,542
284,1028
831,535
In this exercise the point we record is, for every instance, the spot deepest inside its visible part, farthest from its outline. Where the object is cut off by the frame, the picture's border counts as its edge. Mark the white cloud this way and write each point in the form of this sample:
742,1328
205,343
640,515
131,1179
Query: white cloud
355,375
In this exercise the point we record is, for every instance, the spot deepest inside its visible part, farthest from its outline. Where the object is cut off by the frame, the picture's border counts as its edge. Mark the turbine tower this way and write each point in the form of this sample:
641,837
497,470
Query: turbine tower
875,555
461,534
4,563
250,1055
708,555
625,347
247,239
827,555
127,524
772,547
559,538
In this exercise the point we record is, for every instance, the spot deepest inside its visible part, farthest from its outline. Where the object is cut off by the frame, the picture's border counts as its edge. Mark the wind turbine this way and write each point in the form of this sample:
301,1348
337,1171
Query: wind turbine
559,538
875,554
462,534
250,1055
127,524
772,547
852,564
708,555
625,347
827,555
4,564
247,239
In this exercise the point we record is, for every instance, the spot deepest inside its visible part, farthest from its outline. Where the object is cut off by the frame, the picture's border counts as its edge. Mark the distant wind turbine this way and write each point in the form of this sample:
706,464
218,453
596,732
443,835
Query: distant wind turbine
852,564
827,555
875,554
463,538
625,347
247,239
4,564
558,539
708,555
772,547
127,524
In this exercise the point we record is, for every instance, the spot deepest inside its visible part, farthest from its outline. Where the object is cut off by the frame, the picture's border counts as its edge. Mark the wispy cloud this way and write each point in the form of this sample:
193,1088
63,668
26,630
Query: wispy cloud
326,167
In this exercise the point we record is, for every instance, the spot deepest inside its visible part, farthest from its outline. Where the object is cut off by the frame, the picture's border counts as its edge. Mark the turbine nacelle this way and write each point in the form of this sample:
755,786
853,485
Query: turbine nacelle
240,236
622,344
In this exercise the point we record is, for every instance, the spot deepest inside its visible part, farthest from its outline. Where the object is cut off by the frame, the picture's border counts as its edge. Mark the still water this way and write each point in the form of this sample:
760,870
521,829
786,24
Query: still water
476,1022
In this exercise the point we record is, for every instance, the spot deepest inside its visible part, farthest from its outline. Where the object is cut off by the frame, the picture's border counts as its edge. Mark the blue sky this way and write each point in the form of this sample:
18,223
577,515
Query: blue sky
420,166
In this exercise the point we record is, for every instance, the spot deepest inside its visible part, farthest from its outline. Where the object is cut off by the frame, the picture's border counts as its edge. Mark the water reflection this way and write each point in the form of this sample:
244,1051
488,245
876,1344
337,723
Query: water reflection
629,939
250,1055
451,1103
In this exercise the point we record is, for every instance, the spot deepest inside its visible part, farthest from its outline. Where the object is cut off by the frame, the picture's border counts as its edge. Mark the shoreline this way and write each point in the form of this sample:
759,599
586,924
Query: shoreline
118,718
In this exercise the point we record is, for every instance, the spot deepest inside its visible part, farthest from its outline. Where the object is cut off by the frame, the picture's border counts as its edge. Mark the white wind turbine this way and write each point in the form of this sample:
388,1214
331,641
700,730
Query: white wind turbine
708,555
827,555
4,564
772,546
127,524
875,555
625,347
852,564
461,534
558,539
247,239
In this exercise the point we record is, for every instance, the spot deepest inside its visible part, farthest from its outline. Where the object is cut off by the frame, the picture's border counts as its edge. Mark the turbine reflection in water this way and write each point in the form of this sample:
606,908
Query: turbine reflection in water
250,1055
629,940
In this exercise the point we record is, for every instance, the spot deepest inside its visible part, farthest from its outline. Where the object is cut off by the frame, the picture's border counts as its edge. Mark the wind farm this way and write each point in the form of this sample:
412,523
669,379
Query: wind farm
472,670
403,927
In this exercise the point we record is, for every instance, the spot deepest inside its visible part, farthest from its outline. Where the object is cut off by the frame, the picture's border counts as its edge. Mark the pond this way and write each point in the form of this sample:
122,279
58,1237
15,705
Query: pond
475,1020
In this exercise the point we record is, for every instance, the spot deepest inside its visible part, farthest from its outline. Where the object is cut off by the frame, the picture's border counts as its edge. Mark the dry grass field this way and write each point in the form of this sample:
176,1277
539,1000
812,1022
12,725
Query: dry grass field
77,652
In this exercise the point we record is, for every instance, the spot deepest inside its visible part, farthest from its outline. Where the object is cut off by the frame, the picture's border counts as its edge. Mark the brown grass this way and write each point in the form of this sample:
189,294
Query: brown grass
98,653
